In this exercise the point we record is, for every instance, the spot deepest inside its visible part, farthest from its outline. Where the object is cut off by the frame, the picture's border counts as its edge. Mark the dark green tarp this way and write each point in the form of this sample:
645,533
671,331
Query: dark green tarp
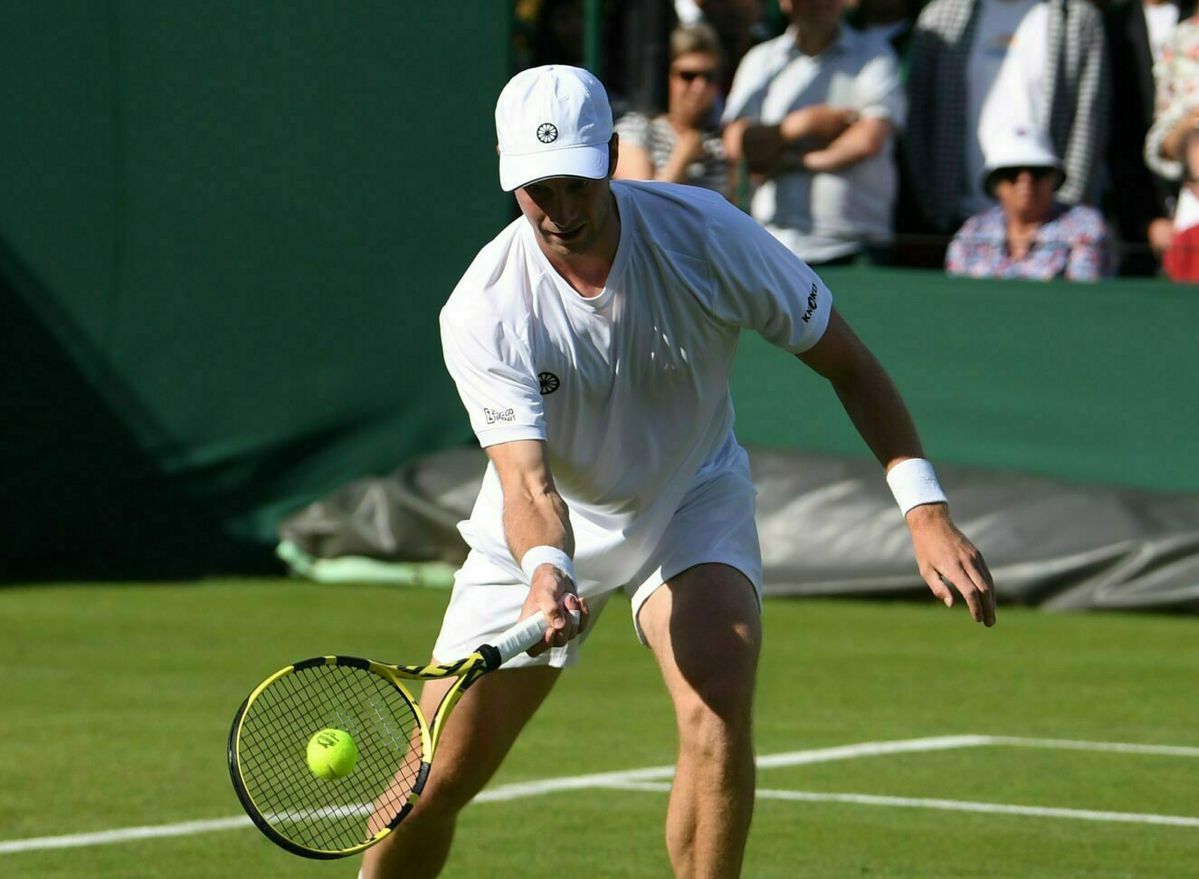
225,233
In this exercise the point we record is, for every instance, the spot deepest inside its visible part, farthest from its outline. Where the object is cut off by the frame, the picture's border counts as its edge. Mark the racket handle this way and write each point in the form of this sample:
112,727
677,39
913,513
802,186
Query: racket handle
524,635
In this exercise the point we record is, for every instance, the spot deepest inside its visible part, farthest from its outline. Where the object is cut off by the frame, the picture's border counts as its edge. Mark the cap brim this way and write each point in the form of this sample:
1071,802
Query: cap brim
991,175
579,161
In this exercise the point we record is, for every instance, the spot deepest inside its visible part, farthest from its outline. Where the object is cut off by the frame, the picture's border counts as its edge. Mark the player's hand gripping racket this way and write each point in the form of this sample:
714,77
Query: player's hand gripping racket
361,798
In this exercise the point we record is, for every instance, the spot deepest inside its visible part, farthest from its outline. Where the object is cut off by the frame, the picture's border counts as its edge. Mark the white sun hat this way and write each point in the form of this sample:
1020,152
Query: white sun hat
552,121
1019,147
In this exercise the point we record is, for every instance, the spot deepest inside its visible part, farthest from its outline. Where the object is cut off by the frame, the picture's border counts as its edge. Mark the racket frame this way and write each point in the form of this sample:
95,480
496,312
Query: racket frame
466,672
486,658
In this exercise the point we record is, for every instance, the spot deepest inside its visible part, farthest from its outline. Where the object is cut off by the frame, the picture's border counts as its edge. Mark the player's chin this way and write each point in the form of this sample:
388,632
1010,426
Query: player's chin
570,240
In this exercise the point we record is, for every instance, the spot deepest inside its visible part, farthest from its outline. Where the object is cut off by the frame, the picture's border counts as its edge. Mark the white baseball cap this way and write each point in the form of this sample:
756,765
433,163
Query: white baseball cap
1019,147
552,121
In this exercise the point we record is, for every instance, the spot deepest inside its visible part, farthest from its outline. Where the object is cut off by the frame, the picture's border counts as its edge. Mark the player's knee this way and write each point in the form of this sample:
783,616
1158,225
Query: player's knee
719,682
712,738
716,717
447,793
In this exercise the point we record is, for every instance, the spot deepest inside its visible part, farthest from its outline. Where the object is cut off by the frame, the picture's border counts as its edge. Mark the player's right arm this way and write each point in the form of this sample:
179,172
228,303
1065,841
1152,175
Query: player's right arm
485,339
536,516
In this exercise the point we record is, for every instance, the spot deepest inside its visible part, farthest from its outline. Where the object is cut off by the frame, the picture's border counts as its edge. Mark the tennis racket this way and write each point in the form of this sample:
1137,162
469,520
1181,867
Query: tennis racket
334,817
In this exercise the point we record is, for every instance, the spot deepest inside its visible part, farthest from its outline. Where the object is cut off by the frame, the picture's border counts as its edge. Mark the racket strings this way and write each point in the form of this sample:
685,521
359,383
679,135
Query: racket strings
330,815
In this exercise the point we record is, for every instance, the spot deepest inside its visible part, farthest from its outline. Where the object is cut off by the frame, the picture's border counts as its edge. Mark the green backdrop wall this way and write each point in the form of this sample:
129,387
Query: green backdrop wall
1085,382
225,232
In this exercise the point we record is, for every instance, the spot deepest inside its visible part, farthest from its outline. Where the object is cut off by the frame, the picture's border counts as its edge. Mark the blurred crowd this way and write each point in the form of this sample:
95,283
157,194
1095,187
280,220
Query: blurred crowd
1032,139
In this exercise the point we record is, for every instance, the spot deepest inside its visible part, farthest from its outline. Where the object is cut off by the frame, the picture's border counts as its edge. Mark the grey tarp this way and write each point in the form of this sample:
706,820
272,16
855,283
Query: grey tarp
828,527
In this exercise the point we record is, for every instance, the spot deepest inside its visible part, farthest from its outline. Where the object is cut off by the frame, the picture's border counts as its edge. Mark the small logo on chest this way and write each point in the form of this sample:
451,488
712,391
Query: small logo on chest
548,382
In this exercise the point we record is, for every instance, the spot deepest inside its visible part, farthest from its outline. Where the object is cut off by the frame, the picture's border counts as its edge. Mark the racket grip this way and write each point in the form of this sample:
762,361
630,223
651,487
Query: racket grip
524,635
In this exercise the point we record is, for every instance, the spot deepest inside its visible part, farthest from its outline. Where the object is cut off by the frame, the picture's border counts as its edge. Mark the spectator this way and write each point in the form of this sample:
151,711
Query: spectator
1142,201
956,55
739,24
814,114
683,144
1177,102
892,20
1029,234
1182,257
558,34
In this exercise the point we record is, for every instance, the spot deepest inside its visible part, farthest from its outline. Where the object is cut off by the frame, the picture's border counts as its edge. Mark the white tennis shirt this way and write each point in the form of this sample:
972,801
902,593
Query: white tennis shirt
629,389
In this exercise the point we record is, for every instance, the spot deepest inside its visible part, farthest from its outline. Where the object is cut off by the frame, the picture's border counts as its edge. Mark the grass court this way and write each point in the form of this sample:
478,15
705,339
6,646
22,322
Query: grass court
895,739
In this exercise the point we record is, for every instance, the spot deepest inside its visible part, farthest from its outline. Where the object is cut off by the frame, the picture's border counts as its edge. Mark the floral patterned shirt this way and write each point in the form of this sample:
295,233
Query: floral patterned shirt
1176,72
1072,244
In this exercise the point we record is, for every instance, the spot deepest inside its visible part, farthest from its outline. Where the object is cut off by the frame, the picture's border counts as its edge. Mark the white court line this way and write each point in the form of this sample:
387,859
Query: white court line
770,761
945,805
540,787
1116,747
125,834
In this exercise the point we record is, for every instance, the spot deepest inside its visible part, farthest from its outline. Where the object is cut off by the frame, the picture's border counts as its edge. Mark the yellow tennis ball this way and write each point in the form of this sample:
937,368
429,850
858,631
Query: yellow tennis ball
332,754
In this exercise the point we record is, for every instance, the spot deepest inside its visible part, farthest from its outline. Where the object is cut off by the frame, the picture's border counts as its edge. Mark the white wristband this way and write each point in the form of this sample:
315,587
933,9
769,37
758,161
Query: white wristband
913,483
547,555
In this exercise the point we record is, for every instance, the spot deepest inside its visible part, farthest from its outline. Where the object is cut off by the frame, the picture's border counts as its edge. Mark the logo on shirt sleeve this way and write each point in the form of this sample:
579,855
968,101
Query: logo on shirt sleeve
494,415
813,301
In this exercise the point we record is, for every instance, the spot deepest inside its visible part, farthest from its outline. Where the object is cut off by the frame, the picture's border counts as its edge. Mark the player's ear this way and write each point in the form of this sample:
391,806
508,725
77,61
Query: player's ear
613,153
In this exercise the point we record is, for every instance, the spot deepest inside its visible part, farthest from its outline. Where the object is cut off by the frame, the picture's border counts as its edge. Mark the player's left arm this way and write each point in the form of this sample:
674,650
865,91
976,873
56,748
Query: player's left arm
945,556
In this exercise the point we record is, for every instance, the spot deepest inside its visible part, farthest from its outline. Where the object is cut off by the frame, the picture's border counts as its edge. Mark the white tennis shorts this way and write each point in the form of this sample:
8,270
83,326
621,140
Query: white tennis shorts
714,524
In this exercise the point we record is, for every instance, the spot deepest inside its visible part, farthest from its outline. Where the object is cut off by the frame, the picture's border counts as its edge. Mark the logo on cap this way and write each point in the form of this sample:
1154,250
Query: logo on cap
547,132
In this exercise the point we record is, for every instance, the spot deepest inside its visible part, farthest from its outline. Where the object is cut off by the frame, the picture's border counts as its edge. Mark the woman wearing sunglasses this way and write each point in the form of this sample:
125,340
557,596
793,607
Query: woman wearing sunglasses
683,144
1029,234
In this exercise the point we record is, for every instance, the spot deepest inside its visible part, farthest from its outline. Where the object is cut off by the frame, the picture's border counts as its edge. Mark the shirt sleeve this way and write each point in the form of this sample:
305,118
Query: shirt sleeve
1089,249
760,285
636,129
492,367
1171,169
879,89
1168,106
749,86
957,261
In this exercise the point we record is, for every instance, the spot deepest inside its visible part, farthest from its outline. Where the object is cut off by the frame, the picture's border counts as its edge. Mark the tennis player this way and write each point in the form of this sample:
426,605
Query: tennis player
592,343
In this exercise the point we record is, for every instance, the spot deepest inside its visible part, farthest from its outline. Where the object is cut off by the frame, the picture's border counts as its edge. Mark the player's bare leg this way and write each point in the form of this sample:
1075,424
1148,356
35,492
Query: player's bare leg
477,737
705,630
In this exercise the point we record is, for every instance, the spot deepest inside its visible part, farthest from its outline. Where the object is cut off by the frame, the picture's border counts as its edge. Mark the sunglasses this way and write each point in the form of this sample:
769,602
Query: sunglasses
708,76
1011,175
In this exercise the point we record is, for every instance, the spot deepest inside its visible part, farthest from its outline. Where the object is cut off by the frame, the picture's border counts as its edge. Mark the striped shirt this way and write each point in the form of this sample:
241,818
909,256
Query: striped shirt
657,137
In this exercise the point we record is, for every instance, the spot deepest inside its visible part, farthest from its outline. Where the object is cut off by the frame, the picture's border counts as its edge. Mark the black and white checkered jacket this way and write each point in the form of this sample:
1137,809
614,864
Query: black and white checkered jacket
1077,82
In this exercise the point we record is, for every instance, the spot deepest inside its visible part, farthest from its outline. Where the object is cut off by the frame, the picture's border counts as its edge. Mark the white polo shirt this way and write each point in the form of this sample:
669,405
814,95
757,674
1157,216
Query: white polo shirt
826,215
629,389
